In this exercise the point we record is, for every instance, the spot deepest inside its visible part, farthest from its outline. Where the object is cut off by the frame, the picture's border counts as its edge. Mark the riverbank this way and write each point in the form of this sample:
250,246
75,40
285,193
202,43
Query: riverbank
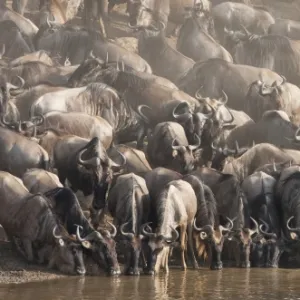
15,269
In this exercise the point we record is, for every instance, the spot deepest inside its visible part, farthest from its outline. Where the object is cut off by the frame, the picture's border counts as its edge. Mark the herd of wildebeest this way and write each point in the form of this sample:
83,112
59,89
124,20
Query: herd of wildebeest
194,147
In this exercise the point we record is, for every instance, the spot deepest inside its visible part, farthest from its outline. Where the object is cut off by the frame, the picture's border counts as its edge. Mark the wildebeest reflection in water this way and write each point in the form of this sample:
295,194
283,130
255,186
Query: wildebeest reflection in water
261,284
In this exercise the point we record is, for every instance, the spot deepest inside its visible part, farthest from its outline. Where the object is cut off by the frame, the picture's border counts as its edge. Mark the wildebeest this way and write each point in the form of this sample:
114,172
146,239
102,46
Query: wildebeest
18,154
287,190
66,206
274,128
175,206
164,60
231,205
36,72
194,42
254,158
231,78
85,164
275,52
15,44
233,16
129,204
32,220
63,41
168,147
259,189
286,27
79,124
26,98
280,96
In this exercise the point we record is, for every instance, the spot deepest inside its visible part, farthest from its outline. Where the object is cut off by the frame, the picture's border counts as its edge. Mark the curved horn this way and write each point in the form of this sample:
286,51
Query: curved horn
123,66
54,234
67,62
3,121
224,98
128,234
227,228
91,54
181,117
290,228
297,138
175,147
95,161
114,232
256,229
283,80
274,166
79,238
197,145
201,228
124,160
176,236
139,109
198,96
22,82
145,233
265,233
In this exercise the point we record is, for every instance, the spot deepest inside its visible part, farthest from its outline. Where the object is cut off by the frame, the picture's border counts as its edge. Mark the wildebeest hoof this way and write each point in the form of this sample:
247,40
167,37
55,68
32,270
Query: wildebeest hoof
269,265
113,272
133,272
245,264
80,271
149,272
217,266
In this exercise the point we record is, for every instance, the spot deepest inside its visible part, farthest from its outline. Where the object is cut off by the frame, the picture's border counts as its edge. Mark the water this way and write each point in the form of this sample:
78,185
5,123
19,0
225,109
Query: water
258,284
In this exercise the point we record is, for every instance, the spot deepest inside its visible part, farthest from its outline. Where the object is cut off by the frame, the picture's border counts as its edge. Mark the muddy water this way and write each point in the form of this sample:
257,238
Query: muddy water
204,284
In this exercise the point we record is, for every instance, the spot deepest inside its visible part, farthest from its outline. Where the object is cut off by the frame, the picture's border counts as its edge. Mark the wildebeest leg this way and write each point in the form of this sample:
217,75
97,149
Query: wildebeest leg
191,246
182,244
165,259
28,249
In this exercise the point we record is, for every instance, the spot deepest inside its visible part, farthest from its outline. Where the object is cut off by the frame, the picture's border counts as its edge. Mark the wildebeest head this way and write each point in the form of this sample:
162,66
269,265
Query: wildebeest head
262,97
244,237
157,243
215,237
86,71
95,161
103,248
67,255
265,252
183,158
134,245
219,119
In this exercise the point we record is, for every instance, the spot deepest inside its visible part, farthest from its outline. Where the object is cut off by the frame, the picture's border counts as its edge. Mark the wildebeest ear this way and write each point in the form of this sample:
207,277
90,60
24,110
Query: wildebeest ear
174,153
86,244
294,236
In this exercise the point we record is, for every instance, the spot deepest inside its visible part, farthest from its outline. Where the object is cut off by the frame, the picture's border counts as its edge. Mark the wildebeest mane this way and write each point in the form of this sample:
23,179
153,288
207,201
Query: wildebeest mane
124,81
260,48
67,208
